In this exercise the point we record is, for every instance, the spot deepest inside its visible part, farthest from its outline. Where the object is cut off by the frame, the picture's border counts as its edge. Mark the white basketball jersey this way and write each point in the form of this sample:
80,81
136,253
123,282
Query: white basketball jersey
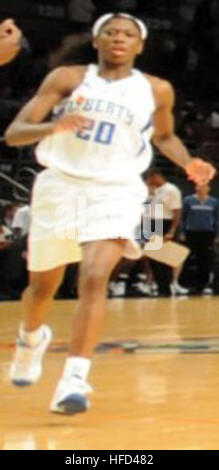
116,147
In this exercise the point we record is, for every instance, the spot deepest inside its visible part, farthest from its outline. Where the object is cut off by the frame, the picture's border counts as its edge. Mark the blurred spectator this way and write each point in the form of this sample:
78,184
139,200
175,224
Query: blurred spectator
5,237
21,222
9,213
169,196
200,226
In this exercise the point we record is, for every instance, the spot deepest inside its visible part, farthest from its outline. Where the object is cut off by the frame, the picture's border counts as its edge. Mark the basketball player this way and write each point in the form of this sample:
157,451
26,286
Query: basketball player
10,41
95,152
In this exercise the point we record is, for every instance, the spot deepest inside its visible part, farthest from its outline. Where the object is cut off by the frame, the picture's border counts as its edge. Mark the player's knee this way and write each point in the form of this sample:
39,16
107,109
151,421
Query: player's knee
41,289
94,278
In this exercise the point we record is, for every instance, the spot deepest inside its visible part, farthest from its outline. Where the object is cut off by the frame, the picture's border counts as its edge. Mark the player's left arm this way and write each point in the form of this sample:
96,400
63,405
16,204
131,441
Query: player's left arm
168,143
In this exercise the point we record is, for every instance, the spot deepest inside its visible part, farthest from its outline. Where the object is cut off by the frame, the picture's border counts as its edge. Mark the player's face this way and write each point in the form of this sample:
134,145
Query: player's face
119,41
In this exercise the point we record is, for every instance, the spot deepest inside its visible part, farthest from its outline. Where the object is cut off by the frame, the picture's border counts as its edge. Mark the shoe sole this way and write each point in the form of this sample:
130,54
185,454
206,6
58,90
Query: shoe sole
73,404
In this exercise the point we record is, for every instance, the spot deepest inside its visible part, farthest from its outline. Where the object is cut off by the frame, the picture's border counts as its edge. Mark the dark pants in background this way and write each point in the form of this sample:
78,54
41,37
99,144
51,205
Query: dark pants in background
13,266
201,245
162,273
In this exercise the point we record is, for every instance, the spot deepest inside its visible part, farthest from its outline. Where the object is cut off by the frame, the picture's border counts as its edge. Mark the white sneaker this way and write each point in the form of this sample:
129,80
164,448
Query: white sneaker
70,396
26,368
207,291
117,289
176,289
142,288
153,289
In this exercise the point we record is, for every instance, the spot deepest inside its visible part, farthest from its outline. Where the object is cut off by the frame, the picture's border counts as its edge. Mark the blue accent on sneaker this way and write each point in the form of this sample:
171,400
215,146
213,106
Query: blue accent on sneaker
22,383
21,343
74,403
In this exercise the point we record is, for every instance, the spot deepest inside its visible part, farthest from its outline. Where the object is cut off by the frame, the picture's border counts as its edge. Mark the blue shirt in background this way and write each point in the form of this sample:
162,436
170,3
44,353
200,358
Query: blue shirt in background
199,216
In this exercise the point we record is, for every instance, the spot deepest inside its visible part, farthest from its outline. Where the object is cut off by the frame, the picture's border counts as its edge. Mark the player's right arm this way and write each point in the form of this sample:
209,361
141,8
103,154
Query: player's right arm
28,126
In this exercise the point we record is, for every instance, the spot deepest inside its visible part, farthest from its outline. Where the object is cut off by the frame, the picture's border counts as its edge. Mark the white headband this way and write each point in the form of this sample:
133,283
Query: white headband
105,18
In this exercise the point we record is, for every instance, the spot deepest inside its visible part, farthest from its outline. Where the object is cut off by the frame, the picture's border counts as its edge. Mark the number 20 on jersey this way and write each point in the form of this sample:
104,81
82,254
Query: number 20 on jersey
103,133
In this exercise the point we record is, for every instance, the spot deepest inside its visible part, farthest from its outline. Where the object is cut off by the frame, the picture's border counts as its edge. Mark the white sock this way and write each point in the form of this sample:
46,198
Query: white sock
31,339
77,366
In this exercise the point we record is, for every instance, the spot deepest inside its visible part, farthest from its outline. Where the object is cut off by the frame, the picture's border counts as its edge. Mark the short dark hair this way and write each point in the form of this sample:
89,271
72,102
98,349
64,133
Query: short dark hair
8,207
154,171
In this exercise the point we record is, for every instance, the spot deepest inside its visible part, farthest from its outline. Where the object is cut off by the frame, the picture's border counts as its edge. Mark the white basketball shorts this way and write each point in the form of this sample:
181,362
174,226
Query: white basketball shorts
67,211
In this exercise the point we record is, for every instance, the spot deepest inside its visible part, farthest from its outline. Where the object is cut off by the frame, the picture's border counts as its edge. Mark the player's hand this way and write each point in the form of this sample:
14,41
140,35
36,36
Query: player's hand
10,41
72,122
199,171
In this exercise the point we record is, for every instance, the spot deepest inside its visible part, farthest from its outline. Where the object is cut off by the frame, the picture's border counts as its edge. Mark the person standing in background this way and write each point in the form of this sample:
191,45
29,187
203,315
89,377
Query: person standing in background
9,213
200,228
169,195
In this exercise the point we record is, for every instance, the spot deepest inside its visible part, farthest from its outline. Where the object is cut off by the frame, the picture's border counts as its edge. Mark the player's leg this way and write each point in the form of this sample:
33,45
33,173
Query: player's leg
99,259
38,297
34,337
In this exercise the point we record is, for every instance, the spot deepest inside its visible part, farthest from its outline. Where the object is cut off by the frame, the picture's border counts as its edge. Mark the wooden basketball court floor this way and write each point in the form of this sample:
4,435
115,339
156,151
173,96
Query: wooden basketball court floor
165,396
